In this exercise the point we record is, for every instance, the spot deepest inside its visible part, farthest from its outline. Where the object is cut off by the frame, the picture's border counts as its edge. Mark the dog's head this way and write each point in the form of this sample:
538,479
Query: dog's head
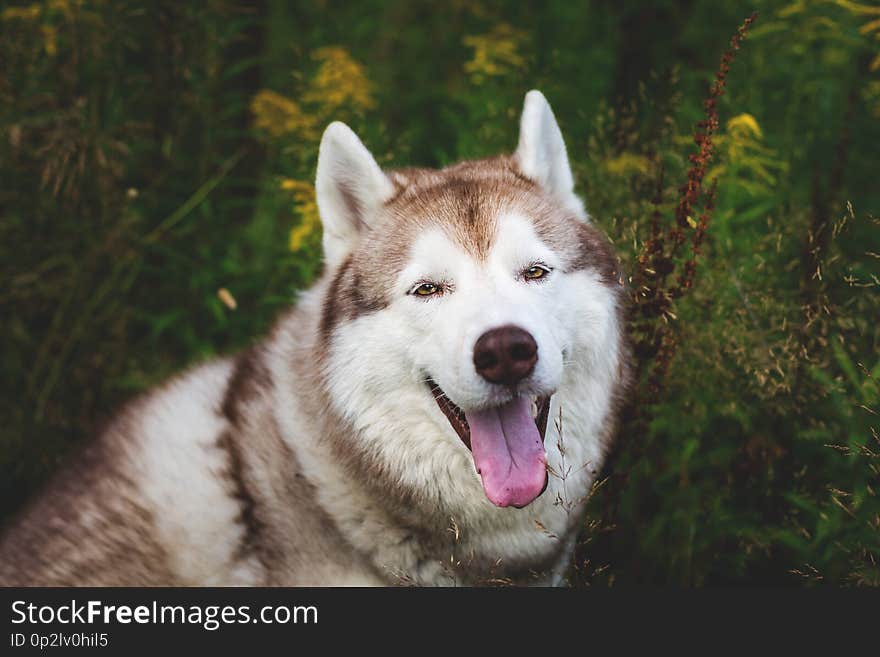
458,299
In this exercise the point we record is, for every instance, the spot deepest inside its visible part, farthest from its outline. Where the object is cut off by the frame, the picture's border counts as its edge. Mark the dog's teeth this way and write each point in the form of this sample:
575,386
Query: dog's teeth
534,408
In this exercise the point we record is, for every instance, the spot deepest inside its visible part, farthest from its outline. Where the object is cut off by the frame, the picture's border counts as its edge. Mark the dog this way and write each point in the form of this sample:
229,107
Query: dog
433,411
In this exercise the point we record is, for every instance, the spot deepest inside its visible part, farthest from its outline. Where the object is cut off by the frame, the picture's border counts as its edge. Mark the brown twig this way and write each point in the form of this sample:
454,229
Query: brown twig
661,254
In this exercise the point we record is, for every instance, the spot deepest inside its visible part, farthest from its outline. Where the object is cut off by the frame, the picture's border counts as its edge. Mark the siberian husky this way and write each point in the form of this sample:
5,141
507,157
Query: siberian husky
433,411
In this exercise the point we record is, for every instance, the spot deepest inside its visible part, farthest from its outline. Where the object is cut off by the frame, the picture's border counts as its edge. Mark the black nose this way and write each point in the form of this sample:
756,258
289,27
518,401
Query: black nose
505,355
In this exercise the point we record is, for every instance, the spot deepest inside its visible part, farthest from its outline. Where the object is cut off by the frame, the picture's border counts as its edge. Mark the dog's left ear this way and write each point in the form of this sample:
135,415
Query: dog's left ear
541,152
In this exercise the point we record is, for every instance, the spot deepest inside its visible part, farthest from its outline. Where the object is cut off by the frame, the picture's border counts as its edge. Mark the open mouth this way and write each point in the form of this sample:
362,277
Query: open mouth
507,443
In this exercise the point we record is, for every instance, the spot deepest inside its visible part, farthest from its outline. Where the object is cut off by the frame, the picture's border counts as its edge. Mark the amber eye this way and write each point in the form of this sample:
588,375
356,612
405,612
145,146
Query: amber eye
426,290
535,272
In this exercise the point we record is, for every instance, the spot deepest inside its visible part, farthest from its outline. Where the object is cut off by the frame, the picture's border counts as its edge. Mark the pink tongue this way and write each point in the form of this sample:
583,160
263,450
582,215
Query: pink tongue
508,452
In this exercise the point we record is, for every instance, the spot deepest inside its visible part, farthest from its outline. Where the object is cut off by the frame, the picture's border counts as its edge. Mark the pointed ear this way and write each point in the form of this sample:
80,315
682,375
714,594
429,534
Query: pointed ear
349,187
541,152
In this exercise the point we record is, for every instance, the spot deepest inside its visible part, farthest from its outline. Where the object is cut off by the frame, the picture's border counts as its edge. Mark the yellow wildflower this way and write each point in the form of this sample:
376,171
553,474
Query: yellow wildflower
29,13
797,7
64,6
870,26
279,115
745,125
627,164
340,81
858,8
744,153
35,11
307,205
495,53
743,135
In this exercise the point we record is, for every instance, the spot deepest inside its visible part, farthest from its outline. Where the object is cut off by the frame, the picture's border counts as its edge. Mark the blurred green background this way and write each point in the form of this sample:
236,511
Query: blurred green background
157,208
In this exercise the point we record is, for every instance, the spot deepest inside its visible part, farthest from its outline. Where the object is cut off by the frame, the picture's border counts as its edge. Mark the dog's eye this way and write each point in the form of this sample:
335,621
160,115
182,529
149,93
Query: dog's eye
535,272
425,289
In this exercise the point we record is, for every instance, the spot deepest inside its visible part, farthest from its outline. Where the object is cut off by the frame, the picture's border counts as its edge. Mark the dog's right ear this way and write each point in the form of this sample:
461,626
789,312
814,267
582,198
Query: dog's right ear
349,187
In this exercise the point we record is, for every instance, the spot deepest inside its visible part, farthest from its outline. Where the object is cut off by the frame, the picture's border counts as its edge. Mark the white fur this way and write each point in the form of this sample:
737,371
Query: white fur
541,152
349,187
179,467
